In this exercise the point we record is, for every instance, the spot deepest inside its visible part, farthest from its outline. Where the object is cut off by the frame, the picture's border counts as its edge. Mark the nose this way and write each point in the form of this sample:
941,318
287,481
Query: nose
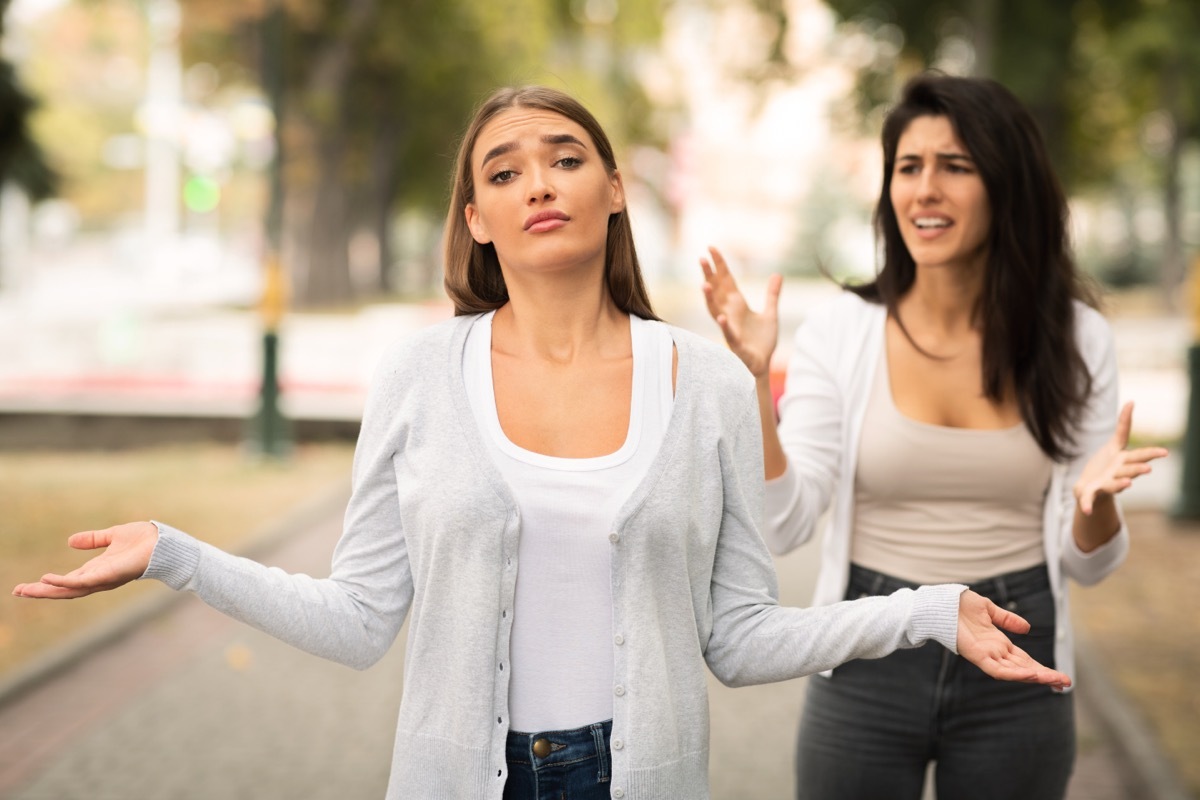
928,189
541,187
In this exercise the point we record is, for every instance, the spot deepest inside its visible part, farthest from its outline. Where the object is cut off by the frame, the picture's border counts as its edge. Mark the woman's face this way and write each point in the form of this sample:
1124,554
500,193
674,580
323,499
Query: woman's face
543,195
939,198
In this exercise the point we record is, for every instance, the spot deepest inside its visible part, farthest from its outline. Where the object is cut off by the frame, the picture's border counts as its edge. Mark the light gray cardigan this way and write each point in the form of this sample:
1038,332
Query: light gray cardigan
431,528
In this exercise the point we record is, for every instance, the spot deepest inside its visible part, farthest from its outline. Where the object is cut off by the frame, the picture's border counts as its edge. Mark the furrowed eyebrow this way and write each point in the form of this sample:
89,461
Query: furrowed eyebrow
550,138
498,151
562,138
942,156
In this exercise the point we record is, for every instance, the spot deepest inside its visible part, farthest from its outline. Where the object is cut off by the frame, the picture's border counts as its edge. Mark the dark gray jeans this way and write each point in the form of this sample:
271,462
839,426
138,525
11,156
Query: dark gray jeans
870,731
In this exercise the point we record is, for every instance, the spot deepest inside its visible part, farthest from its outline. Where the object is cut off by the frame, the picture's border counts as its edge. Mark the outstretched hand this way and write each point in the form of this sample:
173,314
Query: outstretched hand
1112,468
127,554
982,642
750,335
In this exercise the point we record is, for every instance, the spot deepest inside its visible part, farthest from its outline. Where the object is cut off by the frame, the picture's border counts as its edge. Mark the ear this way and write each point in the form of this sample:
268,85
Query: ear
618,198
475,224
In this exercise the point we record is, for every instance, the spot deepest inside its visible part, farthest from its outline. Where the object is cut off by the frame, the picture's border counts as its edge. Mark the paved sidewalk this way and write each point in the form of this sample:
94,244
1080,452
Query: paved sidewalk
192,706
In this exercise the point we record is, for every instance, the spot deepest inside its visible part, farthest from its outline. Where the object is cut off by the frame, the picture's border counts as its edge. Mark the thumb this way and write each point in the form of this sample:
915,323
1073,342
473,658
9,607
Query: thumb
90,540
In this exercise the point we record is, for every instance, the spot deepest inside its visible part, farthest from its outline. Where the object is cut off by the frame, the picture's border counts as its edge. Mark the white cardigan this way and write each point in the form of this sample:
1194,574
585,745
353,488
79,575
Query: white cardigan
431,533
829,379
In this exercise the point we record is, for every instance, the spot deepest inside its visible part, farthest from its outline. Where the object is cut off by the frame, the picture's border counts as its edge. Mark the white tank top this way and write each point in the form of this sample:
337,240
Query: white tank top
562,636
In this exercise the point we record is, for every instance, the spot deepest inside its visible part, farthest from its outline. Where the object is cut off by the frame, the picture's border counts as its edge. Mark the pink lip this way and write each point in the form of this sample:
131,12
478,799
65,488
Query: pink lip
546,220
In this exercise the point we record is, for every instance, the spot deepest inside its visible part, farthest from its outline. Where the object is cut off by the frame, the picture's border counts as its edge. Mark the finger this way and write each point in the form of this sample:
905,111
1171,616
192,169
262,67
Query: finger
731,336
1133,470
90,540
1086,499
1036,672
774,287
707,269
1003,618
45,591
1124,423
718,260
710,300
1144,454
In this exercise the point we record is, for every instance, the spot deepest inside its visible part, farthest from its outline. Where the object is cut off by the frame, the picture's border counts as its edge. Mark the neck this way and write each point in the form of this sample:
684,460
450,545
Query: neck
559,318
944,299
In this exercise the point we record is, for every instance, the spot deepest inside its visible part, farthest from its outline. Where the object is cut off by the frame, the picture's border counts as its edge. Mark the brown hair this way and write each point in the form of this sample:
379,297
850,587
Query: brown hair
1027,307
472,271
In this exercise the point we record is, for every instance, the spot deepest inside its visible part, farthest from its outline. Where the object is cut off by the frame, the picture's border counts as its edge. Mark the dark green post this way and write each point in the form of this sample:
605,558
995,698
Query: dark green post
272,437
1187,505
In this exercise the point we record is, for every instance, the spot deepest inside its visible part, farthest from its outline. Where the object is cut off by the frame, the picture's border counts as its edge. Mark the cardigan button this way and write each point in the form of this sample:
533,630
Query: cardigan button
619,639
619,691
618,793
541,747
614,537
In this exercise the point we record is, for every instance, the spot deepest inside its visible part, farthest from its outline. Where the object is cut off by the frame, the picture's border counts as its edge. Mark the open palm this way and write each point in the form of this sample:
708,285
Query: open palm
125,558
750,335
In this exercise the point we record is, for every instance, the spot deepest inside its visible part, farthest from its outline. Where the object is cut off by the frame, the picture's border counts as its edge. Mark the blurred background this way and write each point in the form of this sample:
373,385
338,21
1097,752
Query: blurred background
215,215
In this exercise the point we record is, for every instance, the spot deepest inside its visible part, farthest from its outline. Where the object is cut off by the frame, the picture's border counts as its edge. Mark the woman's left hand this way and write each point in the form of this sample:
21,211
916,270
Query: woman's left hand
982,642
1112,468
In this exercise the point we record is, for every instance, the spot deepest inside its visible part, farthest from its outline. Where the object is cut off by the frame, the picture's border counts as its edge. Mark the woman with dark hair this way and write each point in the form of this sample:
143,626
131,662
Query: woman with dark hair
957,413
565,492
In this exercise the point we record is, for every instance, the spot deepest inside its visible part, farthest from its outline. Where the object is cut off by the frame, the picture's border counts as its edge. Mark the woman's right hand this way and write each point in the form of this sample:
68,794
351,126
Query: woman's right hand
751,336
126,557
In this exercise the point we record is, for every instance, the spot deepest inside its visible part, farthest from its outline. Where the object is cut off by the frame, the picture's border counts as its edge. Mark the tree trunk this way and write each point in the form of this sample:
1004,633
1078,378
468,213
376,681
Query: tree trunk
326,274
325,277
984,19
1173,267
385,185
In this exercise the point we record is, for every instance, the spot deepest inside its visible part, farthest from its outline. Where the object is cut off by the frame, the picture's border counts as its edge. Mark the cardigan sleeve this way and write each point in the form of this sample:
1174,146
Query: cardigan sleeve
754,639
1096,425
351,617
810,430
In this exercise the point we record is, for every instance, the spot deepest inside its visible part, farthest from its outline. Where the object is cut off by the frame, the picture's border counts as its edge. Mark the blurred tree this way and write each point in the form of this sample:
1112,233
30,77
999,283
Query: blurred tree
22,161
1142,106
1111,82
377,95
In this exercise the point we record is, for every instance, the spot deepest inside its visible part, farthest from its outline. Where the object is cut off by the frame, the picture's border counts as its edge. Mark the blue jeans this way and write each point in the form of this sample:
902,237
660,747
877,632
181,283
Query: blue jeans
559,765
869,731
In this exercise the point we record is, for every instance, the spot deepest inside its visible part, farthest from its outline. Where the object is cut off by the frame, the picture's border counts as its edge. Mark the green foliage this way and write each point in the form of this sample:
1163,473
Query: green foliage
383,104
21,158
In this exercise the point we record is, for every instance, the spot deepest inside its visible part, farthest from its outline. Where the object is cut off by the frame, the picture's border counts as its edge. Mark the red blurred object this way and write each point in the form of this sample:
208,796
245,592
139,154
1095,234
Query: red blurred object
777,377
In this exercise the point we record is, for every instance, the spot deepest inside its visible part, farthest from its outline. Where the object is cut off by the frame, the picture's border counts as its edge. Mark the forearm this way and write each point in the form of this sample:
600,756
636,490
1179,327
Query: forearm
1098,528
774,460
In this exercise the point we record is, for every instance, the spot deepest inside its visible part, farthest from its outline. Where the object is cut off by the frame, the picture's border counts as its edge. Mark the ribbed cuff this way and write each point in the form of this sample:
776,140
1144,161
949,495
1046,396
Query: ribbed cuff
175,557
935,614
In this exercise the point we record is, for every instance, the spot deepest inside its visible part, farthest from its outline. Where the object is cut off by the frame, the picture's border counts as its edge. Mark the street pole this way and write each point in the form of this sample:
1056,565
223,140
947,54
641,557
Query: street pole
1187,505
271,437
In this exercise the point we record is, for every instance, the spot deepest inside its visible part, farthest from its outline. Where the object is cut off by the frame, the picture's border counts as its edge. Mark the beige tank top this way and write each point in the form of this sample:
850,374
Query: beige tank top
935,504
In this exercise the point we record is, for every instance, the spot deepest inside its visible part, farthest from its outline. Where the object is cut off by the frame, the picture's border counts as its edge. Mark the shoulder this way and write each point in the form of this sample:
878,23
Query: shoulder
711,381
424,347
1092,331
1088,319
419,365
844,311
709,361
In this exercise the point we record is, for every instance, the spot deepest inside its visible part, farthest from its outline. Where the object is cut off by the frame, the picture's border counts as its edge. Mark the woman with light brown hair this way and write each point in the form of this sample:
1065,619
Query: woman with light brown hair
562,494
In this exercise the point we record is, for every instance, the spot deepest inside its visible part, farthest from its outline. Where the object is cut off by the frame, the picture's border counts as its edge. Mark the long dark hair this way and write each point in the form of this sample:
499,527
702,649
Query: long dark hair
1025,310
472,271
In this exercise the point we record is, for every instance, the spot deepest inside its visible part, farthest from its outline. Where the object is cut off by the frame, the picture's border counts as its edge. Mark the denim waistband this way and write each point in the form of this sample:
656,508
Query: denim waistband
589,741
999,588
